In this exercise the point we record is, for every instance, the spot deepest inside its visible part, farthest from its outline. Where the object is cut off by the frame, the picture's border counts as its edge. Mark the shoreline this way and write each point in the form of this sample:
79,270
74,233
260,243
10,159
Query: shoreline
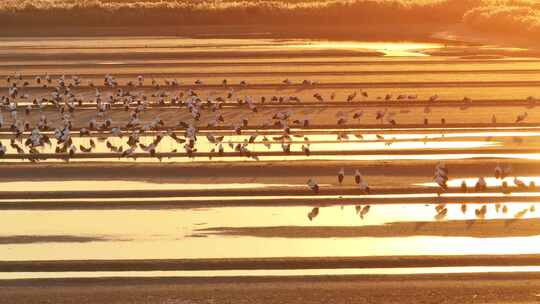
273,263
366,32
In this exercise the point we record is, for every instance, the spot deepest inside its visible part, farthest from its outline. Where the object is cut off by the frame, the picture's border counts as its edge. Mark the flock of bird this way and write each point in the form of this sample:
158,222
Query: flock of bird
441,179
500,172
64,99
358,180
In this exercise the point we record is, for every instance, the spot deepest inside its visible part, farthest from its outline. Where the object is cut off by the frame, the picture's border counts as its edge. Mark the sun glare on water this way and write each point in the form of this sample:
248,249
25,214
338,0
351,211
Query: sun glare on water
391,49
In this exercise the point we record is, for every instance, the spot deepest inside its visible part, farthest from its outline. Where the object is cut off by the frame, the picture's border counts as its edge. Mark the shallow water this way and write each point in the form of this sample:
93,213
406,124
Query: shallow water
163,44
456,143
255,198
316,142
126,185
265,273
490,181
453,156
158,234
132,233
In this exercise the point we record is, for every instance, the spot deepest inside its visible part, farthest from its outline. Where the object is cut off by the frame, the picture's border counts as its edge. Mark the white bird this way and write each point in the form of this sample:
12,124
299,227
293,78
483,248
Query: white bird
501,172
480,185
341,175
498,171
313,185
463,186
519,183
357,177
364,186
380,115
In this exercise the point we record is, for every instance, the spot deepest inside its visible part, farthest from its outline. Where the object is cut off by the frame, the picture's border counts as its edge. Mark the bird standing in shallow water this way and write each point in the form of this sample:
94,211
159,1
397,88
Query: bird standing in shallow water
481,185
341,175
313,185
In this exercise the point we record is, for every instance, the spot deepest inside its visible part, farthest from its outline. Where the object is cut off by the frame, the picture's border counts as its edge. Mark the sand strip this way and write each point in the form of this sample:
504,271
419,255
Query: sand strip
454,228
272,263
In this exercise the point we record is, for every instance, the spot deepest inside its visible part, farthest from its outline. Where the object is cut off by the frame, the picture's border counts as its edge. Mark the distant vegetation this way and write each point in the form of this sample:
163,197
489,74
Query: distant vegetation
484,15
514,18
